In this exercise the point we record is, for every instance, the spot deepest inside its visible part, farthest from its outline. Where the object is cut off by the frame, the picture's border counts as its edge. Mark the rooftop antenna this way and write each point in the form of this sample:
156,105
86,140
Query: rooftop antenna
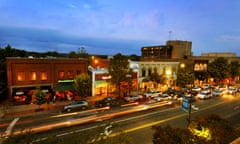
170,33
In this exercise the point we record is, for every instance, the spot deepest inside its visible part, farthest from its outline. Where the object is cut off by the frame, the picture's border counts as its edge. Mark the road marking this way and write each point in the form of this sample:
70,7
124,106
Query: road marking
139,127
10,127
161,121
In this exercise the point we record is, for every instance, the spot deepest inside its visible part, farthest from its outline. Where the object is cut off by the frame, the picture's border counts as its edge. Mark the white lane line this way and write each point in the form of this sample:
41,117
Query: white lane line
10,127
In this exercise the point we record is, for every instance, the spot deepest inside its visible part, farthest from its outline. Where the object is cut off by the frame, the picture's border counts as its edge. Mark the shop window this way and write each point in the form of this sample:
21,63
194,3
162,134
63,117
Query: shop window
43,75
20,76
61,74
33,76
70,74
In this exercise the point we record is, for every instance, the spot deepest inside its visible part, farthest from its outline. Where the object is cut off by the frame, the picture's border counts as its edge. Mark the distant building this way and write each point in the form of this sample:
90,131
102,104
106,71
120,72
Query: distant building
181,49
25,75
172,50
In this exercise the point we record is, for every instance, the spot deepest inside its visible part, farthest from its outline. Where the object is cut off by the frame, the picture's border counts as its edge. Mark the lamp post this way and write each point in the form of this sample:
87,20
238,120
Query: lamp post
189,101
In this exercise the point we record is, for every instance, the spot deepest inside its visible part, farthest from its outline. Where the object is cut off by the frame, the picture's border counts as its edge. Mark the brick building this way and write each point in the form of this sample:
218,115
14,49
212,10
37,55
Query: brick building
25,75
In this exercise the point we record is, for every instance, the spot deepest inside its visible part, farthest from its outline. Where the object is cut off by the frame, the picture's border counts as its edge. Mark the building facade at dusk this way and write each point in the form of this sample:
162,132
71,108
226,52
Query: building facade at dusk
172,50
25,75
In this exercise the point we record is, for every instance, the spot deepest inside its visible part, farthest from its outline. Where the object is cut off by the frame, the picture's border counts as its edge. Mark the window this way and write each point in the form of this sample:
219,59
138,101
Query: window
33,76
143,72
43,76
70,74
20,76
61,74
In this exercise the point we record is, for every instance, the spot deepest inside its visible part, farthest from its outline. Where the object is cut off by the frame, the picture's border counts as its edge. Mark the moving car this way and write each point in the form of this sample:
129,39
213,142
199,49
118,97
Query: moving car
76,105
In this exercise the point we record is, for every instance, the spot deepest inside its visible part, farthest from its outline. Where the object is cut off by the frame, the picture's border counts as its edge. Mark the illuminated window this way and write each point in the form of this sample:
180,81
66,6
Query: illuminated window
61,74
70,74
43,75
33,76
20,76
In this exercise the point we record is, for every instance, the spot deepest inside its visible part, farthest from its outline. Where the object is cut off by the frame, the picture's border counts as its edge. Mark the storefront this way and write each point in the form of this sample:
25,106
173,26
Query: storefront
25,95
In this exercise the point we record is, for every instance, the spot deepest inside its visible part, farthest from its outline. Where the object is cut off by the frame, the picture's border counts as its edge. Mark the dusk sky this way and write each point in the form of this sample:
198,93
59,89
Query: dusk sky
119,26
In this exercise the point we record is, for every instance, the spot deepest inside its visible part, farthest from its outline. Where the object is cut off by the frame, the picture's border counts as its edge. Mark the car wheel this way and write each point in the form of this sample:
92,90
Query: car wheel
69,110
84,108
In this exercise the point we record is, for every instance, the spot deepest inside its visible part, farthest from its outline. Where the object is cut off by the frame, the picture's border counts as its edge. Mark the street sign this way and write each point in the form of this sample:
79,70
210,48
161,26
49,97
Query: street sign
185,103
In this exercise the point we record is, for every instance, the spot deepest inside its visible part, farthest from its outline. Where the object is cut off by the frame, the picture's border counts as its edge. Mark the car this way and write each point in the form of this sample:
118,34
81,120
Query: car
162,97
76,105
196,89
223,87
204,95
132,98
206,86
231,90
149,94
218,92
107,101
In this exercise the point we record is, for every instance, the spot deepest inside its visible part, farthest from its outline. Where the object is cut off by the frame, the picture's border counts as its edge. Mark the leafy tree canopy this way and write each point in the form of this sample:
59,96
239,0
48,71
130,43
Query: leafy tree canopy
185,75
119,69
219,69
40,97
82,85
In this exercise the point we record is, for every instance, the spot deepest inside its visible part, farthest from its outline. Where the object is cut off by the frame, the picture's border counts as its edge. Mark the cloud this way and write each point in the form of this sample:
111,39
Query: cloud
72,6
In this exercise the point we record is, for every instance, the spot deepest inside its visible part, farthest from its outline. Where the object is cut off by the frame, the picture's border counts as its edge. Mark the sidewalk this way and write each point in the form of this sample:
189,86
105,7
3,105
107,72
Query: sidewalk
30,109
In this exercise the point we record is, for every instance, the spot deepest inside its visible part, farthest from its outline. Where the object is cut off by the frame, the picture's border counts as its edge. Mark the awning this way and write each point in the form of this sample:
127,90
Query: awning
64,87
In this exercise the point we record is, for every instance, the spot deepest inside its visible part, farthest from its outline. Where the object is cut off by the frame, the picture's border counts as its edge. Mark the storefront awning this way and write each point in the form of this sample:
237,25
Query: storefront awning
64,87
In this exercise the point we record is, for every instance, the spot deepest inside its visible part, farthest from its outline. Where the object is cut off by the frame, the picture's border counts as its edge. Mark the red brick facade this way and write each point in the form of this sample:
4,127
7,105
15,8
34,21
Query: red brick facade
24,74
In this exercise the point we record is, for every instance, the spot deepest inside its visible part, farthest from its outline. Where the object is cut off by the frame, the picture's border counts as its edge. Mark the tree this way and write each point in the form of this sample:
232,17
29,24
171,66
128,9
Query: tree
119,68
40,97
82,85
73,54
234,69
207,129
82,52
219,69
185,75
213,128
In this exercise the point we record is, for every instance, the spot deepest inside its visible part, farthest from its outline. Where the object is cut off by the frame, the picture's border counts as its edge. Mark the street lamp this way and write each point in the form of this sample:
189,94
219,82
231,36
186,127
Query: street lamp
189,100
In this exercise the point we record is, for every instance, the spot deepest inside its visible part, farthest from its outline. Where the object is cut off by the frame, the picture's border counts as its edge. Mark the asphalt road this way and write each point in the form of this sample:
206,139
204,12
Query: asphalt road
135,121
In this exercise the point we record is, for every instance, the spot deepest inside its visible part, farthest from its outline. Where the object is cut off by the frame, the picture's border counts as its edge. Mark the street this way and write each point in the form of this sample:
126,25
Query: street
135,121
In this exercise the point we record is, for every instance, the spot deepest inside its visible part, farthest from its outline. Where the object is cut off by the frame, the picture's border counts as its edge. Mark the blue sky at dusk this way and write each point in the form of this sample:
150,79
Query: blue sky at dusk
119,26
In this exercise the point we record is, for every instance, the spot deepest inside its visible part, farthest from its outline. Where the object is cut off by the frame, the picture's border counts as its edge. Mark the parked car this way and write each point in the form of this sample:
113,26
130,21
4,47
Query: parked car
149,94
204,95
76,105
218,92
206,86
162,97
133,98
196,89
107,101
231,90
